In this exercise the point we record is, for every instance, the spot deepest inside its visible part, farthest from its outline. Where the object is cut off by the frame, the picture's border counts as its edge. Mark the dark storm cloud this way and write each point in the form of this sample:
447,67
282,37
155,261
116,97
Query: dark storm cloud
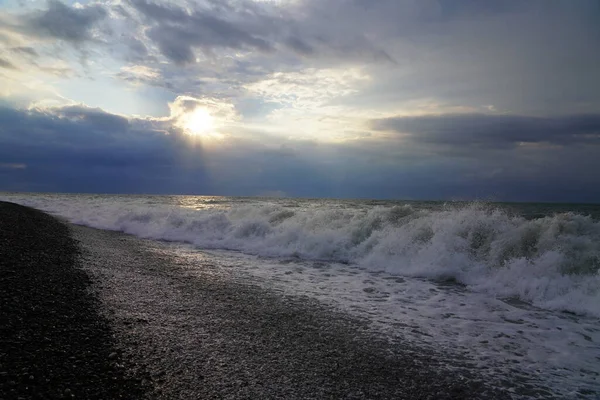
63,22
82,149
95,117
535,57
73,128
253,26
177,32
495,131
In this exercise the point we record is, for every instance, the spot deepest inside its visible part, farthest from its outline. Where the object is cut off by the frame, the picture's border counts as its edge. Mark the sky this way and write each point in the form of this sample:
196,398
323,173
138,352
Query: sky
399,99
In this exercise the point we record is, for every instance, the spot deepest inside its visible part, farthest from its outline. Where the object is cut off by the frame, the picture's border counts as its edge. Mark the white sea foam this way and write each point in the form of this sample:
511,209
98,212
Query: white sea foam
503,338
551,262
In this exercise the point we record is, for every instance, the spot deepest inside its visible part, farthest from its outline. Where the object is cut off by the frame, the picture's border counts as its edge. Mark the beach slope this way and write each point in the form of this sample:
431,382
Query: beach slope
96,314
53,341
203,330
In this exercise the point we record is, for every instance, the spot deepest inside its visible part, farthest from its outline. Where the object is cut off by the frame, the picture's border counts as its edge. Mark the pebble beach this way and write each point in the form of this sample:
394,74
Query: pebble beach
96,314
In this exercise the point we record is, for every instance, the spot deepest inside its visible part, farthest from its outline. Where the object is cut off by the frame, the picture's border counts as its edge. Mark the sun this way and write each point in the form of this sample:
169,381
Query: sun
199,122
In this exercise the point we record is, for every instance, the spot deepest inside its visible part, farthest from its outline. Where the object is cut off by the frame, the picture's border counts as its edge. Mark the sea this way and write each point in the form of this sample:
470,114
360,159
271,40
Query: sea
514,288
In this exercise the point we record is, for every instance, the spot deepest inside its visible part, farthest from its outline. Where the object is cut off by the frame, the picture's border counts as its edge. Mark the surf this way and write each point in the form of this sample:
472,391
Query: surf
551,262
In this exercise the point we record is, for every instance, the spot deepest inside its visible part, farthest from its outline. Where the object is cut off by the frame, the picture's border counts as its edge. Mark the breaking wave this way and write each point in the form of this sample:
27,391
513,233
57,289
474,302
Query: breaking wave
551,262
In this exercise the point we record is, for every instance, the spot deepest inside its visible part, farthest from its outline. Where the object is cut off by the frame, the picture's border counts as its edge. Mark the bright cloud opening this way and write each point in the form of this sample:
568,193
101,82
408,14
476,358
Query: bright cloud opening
199,122
203,118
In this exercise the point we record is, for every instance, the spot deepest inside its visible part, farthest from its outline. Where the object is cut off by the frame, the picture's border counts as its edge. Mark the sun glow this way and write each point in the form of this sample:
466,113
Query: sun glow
199,123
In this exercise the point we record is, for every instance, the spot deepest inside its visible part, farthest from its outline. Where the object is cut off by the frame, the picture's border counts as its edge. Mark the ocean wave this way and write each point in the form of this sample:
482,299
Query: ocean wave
551,262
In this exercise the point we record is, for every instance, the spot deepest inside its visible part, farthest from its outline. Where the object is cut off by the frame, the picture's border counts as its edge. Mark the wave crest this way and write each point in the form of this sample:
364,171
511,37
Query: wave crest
552,262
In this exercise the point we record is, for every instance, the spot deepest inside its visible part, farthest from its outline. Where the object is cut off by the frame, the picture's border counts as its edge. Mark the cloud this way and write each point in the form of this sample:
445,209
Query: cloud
159,12
62,72
94,117
43,39
25,50
6,64
218,48
178,32
78,128
71,24
187,104
270,29
186,112
78,148
300,46
310,88
390,94
137,50
141,74
495,131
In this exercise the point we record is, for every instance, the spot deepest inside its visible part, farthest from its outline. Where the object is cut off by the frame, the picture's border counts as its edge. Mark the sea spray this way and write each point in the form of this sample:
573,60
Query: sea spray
552,262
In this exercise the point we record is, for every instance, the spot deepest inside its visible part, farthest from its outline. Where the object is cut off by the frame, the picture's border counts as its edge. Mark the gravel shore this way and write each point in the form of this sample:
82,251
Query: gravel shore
54,343
119,317
201,333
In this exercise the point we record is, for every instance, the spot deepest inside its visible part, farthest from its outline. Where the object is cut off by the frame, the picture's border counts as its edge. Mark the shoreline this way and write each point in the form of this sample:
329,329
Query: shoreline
173,335
201,334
